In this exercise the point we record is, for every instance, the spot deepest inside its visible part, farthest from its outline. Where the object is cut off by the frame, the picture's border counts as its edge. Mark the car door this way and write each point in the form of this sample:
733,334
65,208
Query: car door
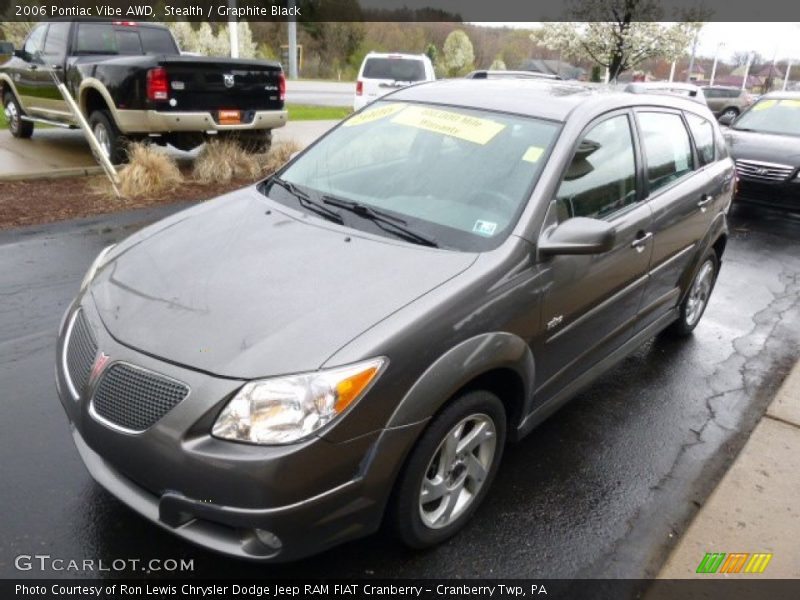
591,302
48,101
682,197
25,78
713,99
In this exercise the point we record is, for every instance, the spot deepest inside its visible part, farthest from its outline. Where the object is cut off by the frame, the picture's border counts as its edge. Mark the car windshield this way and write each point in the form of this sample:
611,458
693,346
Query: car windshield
457,176
772,115
397,69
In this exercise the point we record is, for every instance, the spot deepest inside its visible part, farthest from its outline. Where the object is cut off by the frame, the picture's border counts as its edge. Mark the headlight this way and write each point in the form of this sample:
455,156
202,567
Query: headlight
287,409
98,262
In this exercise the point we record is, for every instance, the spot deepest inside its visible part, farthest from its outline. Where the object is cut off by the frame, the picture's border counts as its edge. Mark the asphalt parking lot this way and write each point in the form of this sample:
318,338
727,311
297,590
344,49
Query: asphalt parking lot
602,489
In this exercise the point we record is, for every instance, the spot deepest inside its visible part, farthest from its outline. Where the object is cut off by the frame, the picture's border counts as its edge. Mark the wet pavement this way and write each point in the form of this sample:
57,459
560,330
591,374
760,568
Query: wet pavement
602,489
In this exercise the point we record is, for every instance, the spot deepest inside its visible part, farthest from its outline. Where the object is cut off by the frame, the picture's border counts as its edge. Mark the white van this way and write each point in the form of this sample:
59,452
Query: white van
382,73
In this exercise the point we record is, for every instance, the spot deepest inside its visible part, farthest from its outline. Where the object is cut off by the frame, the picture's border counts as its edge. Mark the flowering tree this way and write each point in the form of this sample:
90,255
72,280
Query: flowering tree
619,34
204,41
498,65
458,53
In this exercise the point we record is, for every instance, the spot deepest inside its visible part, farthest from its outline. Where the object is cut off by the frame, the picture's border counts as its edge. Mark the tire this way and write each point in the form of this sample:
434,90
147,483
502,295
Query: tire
696,300
464,481
114,144
734,112
258,141
18,128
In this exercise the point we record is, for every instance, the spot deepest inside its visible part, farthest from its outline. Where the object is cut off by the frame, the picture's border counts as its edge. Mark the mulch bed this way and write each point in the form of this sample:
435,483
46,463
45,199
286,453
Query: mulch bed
34,202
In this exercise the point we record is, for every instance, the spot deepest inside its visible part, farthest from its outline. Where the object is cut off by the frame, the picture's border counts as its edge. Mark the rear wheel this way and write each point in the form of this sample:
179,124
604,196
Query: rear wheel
696,301
113,144
729,113
449,471
14,114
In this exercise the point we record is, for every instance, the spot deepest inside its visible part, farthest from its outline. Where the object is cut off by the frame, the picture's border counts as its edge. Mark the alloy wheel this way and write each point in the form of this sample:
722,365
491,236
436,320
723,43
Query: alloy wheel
103,139
699,293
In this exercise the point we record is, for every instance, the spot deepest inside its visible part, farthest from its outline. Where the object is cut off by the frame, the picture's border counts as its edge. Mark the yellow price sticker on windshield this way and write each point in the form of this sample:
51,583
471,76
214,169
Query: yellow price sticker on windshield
373,114
453,124
533,154
792,103
764,105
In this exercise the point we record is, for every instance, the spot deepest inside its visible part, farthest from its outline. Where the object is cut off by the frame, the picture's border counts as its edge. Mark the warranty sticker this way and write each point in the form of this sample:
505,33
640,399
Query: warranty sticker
373,114
533,154
484,228
792,103
457,125
764,105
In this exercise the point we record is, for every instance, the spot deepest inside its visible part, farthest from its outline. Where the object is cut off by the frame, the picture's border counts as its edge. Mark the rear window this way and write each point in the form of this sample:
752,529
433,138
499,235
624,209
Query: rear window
104,38
396,69
703,133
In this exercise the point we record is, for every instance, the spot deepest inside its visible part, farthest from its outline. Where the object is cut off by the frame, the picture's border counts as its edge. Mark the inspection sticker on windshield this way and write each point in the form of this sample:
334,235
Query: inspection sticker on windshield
533,154
465,127
484,228
792,103
764,105
373,114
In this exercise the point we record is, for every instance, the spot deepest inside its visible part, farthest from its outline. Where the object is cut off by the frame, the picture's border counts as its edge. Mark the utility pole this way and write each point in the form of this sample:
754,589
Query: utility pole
786,77
747,71
233,31
672,72
292,24
714,68
691,60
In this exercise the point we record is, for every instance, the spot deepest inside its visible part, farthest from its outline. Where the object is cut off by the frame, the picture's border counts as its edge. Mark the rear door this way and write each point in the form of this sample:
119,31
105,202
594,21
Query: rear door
382,75
714,99
591,302
682,197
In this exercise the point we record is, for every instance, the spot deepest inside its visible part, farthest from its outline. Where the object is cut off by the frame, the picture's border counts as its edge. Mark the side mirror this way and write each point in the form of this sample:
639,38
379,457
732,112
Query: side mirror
578,235
726,119
6,48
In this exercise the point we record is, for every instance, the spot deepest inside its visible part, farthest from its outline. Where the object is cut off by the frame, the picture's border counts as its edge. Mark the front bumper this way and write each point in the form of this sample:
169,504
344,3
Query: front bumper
782,194
153,121
311,495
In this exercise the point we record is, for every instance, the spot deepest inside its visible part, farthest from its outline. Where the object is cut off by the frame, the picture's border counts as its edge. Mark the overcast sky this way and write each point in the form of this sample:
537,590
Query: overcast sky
768,39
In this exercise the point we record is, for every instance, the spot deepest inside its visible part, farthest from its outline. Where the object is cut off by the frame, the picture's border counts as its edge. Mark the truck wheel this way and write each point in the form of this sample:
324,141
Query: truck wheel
254,142
113,143
696,300
17,127
450,470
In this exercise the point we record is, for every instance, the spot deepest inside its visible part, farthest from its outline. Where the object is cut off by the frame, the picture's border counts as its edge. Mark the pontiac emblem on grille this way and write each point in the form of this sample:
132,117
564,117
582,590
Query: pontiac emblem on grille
762,171
227,79
98,366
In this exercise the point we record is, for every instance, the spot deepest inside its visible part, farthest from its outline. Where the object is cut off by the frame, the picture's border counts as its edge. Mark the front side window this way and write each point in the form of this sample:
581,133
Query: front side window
460,176
55,46
35,41
666,147
703,134
601,179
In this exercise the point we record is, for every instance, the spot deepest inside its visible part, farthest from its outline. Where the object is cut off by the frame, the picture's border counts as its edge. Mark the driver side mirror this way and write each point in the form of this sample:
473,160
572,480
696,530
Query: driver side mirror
726,119
578,235
6,48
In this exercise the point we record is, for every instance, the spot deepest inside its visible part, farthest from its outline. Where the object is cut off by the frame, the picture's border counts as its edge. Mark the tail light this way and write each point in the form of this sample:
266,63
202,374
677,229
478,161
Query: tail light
359,88
282,85
157,84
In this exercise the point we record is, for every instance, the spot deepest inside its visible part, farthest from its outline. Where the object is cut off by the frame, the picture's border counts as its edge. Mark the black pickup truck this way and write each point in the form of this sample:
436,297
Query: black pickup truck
131,82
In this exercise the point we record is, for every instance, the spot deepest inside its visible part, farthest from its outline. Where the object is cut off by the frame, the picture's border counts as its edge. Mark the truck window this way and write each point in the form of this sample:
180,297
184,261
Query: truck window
55,45
33,45
397,69
157,41
105,38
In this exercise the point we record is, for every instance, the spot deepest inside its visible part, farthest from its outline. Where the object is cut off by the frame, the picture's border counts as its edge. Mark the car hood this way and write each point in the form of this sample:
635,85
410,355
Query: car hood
765,147
236,292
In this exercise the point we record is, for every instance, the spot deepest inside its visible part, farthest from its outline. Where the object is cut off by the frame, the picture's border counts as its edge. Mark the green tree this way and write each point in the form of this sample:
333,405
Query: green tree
432,53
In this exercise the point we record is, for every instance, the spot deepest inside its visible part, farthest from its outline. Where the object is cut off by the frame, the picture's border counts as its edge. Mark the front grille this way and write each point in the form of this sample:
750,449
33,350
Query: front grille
134,398
80,353
763,171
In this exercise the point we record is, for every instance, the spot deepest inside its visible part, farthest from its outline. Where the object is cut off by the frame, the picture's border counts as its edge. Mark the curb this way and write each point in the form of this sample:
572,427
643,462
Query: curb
755,508
53,173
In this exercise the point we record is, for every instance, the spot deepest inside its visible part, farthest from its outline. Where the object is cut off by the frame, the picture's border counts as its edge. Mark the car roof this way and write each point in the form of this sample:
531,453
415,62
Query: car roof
781,96
542,98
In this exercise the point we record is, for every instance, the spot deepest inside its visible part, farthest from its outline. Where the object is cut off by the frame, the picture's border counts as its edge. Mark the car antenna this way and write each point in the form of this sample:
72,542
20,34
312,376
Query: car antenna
97,151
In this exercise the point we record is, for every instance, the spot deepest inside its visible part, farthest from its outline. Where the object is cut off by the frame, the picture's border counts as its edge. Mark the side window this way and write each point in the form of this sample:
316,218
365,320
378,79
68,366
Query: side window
666,147
601,178
33,45
55,46
703,134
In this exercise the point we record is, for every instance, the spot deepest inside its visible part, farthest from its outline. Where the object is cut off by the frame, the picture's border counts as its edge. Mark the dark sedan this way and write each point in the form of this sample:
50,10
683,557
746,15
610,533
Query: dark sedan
765,143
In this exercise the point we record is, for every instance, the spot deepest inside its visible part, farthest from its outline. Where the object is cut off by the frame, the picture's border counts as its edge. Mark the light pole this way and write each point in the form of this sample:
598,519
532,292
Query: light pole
672,72
714,67
786,77
233,32
292,26
691,59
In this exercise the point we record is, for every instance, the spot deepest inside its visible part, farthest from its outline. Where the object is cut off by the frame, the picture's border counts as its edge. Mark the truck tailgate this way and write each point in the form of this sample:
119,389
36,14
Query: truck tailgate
200,84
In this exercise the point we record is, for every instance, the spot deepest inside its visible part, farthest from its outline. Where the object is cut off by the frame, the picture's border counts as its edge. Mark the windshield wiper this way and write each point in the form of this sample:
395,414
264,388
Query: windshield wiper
382,219
306,200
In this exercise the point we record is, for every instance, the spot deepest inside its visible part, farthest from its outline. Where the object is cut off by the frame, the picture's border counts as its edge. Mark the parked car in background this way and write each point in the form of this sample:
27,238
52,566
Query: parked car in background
354,340
490,74
765,143
726,101
383,73
131,82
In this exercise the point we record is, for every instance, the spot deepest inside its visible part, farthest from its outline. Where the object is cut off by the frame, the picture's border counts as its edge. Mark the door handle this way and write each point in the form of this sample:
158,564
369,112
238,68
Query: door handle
641,241
705,200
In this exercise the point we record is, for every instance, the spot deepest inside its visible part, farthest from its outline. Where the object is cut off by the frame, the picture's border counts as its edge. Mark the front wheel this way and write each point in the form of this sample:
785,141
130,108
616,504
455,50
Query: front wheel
14,114
729,113
450,470
696,301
